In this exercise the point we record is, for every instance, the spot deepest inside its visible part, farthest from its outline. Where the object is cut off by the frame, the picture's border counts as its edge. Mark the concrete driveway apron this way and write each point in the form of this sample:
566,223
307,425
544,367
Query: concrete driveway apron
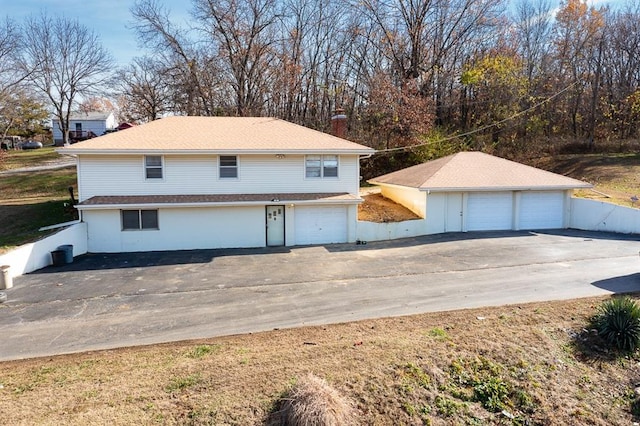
112,300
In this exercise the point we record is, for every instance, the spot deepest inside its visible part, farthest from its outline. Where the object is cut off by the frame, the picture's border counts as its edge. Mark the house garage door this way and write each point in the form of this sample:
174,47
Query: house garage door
321,225
489,211
542,210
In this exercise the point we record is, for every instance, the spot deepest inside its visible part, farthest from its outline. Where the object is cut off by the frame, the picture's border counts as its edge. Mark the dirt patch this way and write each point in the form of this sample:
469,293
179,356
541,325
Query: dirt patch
379,209
446,368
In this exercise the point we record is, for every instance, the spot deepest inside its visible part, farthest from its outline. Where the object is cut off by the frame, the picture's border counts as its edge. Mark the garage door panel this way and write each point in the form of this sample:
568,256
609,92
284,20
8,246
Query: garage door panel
541,210
320,225
490,211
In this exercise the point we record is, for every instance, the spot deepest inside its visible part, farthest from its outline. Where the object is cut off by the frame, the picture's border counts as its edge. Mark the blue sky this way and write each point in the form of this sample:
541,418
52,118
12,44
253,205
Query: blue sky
110,18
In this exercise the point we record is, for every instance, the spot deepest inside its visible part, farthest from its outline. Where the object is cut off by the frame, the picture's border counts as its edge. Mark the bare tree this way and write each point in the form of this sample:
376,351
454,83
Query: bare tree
242,30
533,34
64,60
10,44
145,89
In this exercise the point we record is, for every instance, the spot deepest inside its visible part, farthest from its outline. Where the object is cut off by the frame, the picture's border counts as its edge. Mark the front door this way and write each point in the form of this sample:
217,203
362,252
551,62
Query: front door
275,225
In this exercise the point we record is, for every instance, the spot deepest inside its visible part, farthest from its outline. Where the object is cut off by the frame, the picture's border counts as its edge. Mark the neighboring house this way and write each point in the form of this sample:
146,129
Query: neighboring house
217,182
85,126
472,191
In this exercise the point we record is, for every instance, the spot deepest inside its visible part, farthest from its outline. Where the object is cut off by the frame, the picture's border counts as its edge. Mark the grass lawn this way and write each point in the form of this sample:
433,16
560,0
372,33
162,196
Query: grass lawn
530,364
29,157
32,200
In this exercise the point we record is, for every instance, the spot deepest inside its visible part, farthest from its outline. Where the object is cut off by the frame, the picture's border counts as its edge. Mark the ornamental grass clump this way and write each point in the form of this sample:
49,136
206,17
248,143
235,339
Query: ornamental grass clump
312,402
618,323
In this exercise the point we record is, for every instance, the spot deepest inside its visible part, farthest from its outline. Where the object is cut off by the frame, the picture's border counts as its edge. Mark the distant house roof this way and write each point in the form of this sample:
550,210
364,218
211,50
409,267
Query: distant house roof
218,134
124,126
88,116
476,171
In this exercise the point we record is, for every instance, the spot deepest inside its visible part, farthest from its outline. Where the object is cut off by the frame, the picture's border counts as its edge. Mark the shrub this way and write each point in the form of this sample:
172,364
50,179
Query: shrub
492,393
618,323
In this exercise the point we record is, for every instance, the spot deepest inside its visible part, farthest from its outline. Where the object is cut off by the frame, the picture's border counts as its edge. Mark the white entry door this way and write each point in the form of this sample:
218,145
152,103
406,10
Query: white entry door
454,213
275,225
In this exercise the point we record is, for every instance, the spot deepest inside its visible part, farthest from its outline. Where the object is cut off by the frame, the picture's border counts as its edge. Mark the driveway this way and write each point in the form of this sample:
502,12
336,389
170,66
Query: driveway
106,301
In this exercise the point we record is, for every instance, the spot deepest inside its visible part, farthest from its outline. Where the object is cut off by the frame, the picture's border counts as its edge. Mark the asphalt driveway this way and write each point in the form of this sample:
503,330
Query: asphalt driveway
106,301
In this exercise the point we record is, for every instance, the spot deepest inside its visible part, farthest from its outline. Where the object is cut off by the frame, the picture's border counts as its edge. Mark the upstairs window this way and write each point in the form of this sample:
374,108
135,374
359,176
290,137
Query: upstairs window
153,166
228,166
321,166
329,166
313,166
133,220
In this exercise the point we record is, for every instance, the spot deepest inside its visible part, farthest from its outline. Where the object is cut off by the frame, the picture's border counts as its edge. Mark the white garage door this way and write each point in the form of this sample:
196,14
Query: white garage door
542,210
489,211
321,225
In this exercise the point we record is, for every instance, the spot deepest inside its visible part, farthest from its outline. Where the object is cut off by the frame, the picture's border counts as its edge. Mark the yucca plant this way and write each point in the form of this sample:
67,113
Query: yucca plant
618,323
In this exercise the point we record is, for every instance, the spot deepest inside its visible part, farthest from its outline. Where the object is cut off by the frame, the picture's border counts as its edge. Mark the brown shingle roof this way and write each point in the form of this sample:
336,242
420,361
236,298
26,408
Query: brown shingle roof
216,198
217,134
475,171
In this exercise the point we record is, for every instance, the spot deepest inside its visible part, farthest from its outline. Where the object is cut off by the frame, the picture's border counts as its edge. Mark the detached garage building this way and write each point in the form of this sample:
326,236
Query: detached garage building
473,191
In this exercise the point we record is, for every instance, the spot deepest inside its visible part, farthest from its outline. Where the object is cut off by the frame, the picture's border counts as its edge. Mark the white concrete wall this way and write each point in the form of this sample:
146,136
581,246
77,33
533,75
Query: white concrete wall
370,231
194,228
30,257
436,212
179,229
191,174
592,215
412,198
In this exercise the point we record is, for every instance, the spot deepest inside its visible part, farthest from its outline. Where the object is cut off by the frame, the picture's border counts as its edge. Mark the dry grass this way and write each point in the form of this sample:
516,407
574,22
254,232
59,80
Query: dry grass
616,177
312,402
423,369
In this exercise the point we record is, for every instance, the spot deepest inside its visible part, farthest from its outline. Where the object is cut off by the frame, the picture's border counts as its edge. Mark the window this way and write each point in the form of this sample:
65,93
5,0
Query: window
321,166
330,166
153,166
228,166
139,219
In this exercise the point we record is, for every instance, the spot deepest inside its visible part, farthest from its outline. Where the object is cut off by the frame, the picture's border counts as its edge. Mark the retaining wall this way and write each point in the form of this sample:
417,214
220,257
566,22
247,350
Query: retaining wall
33,256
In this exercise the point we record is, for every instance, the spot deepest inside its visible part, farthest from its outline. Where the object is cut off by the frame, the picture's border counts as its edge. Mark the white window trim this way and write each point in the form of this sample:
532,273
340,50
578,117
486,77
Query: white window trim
322,176
144,168
237,177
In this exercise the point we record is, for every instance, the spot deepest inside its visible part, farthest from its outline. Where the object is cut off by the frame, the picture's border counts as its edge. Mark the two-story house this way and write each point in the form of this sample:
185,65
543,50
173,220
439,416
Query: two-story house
84,126
217,182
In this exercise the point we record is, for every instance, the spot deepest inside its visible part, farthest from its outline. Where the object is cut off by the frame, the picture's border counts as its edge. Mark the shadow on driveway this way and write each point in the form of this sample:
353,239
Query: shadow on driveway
102,261
621,284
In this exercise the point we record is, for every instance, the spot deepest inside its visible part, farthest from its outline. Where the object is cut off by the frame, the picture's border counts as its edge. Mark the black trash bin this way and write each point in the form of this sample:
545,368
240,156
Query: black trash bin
59,257
68,252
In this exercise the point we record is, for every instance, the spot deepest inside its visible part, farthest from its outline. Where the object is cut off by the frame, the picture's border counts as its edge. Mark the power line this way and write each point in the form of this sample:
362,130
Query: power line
480,129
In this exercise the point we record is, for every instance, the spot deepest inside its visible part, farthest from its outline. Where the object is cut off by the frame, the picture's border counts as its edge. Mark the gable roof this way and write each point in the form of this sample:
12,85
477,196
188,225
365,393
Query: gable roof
88,116
476,171
217,135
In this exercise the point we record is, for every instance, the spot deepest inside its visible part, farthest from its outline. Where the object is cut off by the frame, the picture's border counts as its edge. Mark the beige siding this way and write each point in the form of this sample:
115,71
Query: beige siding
124,175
